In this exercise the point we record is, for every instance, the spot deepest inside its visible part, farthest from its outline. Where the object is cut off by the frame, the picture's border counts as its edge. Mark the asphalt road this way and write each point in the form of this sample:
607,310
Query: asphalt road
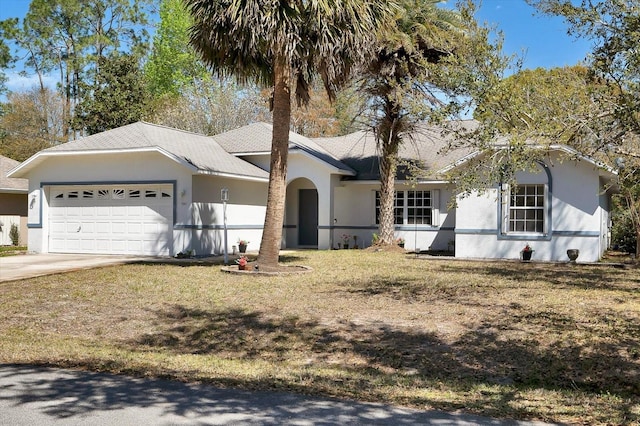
37,396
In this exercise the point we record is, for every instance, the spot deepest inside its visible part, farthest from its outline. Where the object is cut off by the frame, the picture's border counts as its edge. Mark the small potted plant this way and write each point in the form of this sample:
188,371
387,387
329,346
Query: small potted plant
526,253
400,242
242,245
242,263
345,241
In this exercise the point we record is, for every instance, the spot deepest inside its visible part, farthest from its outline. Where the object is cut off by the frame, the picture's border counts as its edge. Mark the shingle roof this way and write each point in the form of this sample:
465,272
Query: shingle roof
423,149
11,184
199,150
256,138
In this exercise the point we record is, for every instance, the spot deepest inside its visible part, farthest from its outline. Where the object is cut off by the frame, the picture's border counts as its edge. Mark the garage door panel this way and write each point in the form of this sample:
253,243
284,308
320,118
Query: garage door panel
87,212
103,228
87,246
135,228
57,227
72,244
88,228
111,220
71,227
73,212
134,246
118,211
118,247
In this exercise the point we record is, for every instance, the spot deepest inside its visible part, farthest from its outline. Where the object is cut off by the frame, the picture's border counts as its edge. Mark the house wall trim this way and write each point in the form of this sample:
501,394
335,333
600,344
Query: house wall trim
217,227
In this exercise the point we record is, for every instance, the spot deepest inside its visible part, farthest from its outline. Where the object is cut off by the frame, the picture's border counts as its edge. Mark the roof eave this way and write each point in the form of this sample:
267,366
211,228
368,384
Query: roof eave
556,147
397,181
233,176
26,166
248,153
13,191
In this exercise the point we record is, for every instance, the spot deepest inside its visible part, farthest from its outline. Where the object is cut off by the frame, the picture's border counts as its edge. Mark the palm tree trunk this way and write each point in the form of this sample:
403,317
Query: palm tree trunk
388,167
274,218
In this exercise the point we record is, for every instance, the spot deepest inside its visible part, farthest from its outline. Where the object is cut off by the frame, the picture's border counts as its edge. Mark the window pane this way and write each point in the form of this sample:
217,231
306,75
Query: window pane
420,208
527,209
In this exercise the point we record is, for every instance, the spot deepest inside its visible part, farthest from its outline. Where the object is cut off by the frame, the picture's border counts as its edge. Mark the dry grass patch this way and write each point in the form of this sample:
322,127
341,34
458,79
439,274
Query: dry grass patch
529,341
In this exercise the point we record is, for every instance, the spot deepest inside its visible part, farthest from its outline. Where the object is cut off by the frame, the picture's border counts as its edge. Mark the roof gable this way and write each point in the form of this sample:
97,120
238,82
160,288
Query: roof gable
256,138
8,184
199,151
422,149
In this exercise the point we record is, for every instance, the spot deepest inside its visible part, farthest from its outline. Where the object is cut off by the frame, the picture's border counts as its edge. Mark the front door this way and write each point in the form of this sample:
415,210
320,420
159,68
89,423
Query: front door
308,217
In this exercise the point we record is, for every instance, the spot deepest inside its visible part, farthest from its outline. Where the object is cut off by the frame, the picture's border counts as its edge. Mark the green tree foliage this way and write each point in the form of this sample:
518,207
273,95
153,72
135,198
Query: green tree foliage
623,231
173,65
283,45
614,131
540,103
119,96
67,37
8,28
32,121
186,95
426,68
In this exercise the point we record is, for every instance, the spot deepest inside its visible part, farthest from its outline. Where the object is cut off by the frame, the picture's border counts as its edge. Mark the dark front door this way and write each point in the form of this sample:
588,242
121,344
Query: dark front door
308,217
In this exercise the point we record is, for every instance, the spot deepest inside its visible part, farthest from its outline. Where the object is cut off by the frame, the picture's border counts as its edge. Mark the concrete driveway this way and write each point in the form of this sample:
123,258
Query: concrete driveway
35,265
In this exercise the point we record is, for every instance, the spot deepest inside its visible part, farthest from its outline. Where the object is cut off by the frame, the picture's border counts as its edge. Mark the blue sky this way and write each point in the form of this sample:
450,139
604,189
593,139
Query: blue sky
542,41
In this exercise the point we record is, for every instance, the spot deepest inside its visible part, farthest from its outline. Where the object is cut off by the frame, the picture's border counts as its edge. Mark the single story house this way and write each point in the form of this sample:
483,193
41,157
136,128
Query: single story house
13,203
152,190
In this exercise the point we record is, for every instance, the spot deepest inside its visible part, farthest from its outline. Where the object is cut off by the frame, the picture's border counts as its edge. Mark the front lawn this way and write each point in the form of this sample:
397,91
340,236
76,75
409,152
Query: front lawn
557,343
12,250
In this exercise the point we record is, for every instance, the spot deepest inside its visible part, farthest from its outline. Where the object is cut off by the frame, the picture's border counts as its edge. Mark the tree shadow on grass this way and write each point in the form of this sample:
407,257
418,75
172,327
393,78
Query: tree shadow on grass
374,354
588,277
289,258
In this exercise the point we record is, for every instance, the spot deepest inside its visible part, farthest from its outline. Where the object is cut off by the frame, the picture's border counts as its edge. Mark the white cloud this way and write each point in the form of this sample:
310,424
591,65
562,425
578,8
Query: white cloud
20,83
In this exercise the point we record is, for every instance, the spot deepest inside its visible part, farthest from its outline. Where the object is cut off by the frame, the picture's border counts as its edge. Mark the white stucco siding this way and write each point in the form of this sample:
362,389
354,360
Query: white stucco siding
489,247
302,167
477,213
86,170
355,215
576,216
246,209
574,220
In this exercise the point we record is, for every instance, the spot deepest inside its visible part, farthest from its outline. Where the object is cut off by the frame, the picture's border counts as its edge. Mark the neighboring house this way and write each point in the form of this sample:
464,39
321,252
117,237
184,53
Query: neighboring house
148,189
13,202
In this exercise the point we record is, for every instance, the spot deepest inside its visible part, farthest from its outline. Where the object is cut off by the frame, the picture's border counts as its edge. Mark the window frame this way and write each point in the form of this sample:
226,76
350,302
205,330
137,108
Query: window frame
405,206
509,221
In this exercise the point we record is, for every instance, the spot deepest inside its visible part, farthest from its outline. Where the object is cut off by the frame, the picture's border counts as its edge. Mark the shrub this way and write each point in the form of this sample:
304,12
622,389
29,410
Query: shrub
623,232
14,234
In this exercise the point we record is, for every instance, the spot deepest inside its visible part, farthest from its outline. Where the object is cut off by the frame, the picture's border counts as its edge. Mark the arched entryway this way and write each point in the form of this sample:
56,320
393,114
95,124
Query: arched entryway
301,218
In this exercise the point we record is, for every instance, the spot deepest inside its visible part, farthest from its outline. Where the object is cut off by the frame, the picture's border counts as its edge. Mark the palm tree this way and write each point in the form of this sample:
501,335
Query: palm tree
397,78
283,44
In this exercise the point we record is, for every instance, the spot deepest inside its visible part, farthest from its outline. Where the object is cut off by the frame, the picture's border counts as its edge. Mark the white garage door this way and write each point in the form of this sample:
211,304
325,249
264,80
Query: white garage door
111,219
